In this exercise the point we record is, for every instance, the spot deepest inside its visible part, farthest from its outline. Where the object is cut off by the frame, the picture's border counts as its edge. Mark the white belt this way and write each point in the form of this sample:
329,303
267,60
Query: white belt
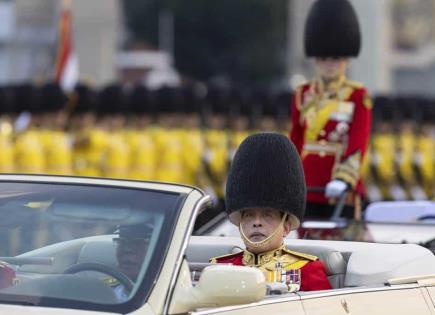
322,148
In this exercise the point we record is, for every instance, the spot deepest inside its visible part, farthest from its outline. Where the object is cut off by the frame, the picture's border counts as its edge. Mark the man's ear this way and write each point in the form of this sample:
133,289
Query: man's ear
287,227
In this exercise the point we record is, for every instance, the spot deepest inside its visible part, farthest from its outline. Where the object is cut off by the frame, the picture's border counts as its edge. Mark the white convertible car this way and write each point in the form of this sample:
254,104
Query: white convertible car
61,241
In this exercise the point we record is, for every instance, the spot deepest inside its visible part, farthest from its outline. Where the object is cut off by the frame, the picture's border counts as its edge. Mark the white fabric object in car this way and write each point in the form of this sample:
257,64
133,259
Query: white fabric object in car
377,264
401,211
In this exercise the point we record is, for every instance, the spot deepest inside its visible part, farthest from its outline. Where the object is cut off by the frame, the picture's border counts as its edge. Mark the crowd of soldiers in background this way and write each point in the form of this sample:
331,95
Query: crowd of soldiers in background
189,135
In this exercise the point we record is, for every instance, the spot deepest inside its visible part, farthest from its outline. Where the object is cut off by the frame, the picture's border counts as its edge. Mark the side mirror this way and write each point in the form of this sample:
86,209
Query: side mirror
219,285
229,285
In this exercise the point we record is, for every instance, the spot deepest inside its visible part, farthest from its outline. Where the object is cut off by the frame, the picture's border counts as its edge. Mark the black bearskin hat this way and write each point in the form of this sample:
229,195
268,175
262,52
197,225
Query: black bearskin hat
52,97
85,99
332,30
266,173
140,100
111,100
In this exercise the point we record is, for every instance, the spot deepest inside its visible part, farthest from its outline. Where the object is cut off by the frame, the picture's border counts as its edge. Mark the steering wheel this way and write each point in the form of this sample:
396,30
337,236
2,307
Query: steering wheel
118,275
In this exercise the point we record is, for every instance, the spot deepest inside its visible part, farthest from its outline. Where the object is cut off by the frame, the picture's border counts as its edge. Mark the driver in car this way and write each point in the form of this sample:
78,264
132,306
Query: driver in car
131,246
265,199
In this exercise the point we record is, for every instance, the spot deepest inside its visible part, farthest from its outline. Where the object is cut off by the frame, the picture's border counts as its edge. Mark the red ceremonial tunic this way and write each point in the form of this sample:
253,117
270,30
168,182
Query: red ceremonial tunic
331,132
313,273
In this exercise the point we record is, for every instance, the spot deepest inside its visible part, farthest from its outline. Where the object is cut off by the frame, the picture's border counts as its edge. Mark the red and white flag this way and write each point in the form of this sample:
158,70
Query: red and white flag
67,65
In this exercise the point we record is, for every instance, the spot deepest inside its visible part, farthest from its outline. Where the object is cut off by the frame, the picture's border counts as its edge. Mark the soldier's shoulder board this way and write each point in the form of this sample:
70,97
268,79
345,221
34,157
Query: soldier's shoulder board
300,255
224,258
367,101
354,84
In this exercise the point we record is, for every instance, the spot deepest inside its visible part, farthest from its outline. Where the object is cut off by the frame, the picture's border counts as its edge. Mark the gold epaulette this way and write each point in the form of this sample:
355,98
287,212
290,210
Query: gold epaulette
354,84
301,255
214,259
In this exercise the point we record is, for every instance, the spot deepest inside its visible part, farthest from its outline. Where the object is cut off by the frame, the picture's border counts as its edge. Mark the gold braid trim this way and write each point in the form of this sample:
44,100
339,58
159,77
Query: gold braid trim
349,169
299,254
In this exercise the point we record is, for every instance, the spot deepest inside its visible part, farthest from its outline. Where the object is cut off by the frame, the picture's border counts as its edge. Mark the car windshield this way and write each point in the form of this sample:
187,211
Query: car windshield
82,246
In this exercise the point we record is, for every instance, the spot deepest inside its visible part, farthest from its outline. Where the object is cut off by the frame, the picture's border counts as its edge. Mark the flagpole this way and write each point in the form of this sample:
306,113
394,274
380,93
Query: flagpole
66,71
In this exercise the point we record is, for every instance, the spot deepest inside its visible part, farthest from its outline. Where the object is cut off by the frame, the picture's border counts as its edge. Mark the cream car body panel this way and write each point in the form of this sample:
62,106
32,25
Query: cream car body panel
396,300
278,307
431,291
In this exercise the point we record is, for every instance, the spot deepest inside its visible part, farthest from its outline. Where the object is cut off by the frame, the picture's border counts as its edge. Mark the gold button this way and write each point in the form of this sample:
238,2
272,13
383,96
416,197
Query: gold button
322,153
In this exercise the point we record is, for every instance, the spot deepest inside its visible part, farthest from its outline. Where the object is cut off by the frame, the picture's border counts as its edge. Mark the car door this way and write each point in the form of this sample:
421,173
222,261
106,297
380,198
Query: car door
272,305
403,299
431,292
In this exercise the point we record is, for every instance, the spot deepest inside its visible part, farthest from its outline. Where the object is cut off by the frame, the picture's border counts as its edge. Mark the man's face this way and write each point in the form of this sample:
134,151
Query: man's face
331,68
258,224
130,254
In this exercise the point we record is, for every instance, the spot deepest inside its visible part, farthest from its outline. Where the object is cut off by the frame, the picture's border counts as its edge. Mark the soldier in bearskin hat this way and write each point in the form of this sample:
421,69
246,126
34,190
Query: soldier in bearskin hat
113,106
56,142
265,198
331,115
139,134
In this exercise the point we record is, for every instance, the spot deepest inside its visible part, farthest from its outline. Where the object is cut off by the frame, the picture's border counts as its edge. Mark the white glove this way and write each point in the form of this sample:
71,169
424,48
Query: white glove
335,188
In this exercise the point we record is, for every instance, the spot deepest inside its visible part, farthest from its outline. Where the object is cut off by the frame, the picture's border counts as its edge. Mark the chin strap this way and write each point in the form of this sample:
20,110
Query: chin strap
262,244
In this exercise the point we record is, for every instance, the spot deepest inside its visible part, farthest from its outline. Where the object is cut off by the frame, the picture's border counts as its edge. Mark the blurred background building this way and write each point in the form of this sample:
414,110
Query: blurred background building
254,42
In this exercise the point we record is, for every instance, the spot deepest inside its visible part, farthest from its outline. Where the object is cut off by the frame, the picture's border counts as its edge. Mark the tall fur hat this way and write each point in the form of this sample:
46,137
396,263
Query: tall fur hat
112,100
85,99
52,97
332,30
266,173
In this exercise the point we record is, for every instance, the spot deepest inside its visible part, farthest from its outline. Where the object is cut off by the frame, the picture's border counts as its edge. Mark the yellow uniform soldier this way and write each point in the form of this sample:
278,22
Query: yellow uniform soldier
192,141
116,155
216,149
88,141
407,146
424,154
7,152
143,158
139,136
384,162
57,144
168,136
7,116
29,153
28,149
170,154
